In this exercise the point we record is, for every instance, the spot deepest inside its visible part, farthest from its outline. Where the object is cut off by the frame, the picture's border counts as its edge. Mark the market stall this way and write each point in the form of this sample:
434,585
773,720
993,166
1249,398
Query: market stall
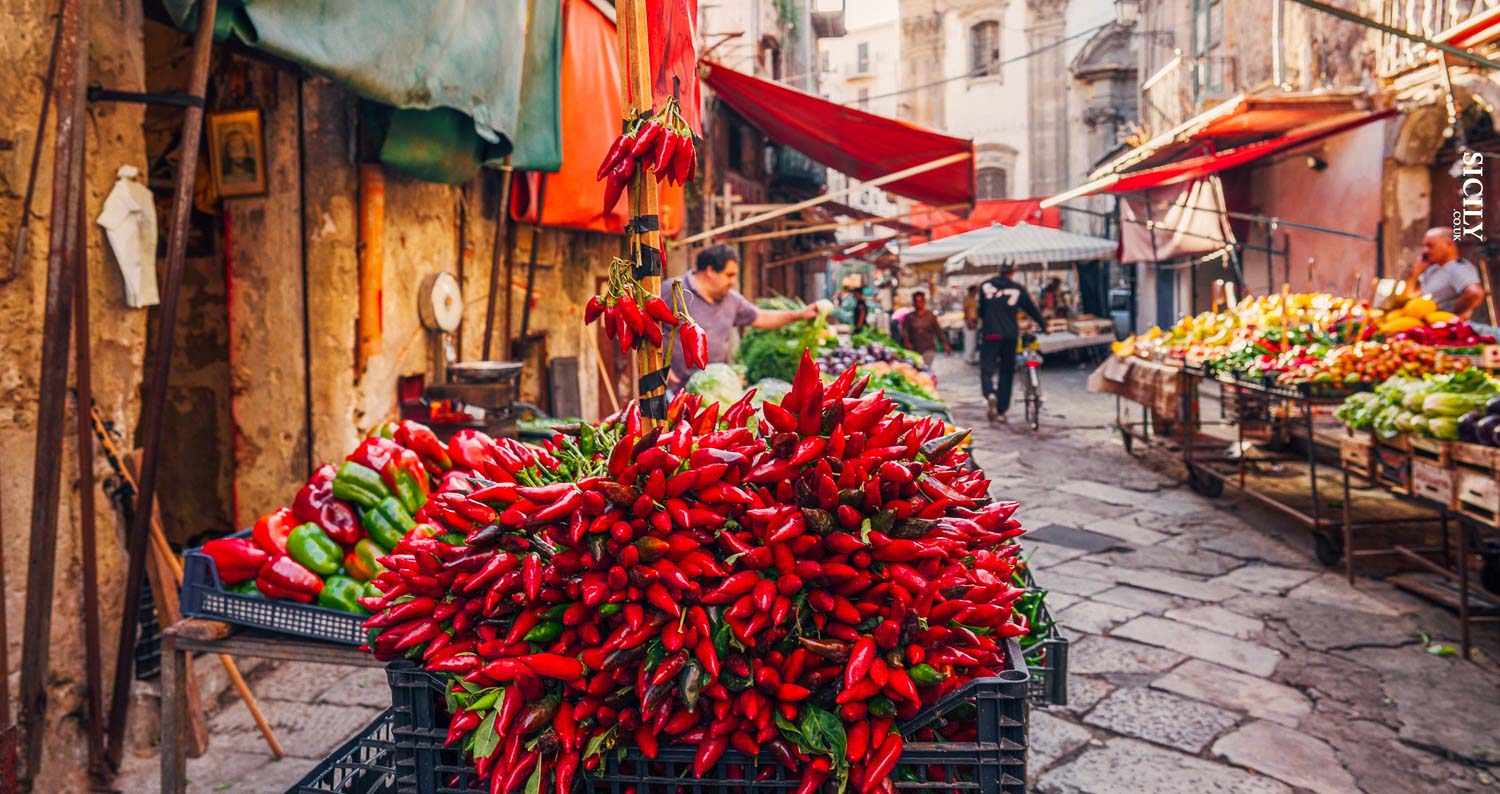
1325,388
1040,255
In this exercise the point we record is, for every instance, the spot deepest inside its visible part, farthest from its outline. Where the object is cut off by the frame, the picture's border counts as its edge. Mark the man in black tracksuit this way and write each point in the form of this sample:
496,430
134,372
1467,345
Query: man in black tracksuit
999,300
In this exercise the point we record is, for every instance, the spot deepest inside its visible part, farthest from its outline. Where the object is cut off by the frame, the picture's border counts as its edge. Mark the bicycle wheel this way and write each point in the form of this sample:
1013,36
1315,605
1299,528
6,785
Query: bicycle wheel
1033,398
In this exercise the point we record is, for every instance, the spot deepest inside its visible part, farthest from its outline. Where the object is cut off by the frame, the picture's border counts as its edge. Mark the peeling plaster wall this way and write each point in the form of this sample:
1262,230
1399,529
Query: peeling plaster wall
114,138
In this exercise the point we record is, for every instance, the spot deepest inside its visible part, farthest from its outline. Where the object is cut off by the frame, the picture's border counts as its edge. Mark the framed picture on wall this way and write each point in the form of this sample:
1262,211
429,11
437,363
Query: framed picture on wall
237,152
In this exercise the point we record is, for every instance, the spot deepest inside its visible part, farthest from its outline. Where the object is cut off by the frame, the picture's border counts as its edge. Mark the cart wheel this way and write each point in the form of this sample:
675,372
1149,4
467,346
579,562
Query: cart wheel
1329,551
1204,483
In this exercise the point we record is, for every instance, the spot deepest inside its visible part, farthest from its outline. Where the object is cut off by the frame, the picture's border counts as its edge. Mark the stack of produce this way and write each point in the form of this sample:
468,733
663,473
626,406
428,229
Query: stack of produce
1210,335
775,353
1449,407
1364,362
790,581
325,548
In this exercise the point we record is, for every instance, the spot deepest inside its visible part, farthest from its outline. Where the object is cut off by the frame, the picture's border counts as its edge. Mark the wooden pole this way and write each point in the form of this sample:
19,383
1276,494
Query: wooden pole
153,406
643,225
371,262
816,200
502,241
71,78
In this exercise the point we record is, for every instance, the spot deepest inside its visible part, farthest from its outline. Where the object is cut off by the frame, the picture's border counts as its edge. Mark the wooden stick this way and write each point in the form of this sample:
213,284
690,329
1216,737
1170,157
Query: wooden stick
609,384
163,554
636,95
921,168
824,227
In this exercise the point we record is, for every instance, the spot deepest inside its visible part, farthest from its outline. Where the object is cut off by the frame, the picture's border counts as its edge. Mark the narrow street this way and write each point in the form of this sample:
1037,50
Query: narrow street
1210,651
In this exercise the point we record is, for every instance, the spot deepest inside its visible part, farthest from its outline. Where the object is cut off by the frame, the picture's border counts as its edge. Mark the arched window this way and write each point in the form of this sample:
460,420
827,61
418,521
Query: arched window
990,183
984,49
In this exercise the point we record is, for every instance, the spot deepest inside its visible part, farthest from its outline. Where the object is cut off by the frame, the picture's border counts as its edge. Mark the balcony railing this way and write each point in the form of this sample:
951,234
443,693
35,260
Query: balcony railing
1427,18
1184,87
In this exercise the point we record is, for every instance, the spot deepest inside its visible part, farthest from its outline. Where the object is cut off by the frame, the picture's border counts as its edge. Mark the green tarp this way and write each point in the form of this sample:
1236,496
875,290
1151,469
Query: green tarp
471,82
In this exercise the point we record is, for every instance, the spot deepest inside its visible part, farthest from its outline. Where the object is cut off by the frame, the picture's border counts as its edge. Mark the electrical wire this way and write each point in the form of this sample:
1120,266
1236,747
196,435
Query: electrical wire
985,71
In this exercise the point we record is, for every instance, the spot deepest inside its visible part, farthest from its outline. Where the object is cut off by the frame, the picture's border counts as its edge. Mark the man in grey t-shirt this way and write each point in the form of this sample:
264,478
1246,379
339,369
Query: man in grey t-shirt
719,308
1452,281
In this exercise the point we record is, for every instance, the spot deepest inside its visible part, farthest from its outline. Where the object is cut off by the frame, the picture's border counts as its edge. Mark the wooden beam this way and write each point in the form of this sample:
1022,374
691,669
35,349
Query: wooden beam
921,168
823,227
153,406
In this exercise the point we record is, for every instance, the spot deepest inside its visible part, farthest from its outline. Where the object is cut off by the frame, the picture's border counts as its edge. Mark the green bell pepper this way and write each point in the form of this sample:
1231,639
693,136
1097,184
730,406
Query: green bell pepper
247,588
360,485
311,546
386,522
342,593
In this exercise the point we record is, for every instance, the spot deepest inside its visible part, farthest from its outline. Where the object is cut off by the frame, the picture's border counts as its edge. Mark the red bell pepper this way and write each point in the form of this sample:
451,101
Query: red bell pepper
420,439
237,559
407,479
376,453
272,529
316,503
284,577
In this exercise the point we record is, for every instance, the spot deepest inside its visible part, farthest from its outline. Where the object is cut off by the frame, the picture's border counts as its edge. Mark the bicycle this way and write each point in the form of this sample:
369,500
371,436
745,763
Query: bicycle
1029,361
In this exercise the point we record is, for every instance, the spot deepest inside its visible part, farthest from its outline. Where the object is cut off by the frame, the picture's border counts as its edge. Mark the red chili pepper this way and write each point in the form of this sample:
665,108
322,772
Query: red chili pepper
882,762
617,150
646,142
657,309
666,150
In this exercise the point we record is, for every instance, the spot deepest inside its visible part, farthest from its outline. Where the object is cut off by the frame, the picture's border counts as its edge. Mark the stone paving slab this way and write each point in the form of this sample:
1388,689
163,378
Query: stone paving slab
1062,583
1085,691
1257,547
1291,757
1270,579
1231,689
1086,569
1042,555
1322,627
1166,557
1050,738
1093,654
1248,657
1136,598
1062,534
1334,590
1219,619
1161,717
1094,617
1126,766
1127,531
1172,584
1102,492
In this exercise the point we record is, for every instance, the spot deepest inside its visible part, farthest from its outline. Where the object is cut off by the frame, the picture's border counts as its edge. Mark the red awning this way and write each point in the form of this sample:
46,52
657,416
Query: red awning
1009,212
862,145
1467,35
1205,165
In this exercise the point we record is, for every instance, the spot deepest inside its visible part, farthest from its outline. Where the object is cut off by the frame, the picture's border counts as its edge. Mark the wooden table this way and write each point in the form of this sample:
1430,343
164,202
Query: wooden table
211,636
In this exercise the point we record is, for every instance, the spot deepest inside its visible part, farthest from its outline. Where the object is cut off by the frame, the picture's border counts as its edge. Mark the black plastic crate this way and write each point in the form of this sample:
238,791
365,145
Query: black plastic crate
1047,660
363,765
996,764
204,596
147,637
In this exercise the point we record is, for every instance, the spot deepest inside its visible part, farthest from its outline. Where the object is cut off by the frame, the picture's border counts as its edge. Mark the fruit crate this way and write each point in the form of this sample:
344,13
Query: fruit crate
363,765
995,764
204,596
1046,659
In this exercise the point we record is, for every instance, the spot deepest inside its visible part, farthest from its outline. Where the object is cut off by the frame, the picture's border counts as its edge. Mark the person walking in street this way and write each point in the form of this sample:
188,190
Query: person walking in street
999,300
1452,281
921,331
971,325
861,312
719,309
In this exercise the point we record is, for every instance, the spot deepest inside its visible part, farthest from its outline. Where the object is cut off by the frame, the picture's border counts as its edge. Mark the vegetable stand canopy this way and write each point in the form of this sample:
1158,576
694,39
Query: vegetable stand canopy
994,246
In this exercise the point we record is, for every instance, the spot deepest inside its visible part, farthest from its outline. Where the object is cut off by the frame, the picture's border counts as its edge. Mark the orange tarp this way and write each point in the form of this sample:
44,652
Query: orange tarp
591,111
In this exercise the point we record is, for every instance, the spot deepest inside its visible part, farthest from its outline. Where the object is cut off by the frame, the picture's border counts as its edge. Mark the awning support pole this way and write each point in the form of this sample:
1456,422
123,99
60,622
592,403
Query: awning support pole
816,200
153,406
501,241
824,227
645,237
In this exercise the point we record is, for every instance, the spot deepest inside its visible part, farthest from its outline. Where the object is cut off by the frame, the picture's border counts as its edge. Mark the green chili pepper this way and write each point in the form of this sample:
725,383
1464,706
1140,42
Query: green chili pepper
360,485
545,632
925,675
311,546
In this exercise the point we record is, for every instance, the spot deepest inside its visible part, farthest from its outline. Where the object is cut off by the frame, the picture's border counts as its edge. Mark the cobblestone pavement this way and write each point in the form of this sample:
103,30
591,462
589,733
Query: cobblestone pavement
1210,651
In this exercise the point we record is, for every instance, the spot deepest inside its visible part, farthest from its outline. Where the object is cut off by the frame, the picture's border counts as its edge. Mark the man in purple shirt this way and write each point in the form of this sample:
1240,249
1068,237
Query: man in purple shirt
718,308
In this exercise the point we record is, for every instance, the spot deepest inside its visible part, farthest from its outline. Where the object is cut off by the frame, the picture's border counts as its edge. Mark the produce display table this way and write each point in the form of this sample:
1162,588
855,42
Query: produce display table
1424,474
210,636
1067,340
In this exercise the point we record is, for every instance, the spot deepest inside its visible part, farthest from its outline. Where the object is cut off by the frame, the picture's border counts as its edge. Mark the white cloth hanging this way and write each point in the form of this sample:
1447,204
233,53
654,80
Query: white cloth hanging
129,221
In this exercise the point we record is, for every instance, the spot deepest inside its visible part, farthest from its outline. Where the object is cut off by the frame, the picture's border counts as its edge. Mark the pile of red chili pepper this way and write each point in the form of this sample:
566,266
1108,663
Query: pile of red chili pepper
660,142
788,583
324,548
632,316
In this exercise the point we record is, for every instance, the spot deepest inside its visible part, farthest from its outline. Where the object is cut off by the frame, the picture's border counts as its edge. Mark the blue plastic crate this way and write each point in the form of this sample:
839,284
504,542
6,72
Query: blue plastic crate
204,596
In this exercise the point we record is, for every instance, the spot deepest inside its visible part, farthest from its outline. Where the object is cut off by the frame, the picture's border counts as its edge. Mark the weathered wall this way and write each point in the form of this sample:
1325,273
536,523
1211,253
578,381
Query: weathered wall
114,138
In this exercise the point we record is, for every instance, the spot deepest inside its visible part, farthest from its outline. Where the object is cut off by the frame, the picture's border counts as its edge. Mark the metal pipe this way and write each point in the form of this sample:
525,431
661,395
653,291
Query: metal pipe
153,405
72,66
87,535
1278,46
